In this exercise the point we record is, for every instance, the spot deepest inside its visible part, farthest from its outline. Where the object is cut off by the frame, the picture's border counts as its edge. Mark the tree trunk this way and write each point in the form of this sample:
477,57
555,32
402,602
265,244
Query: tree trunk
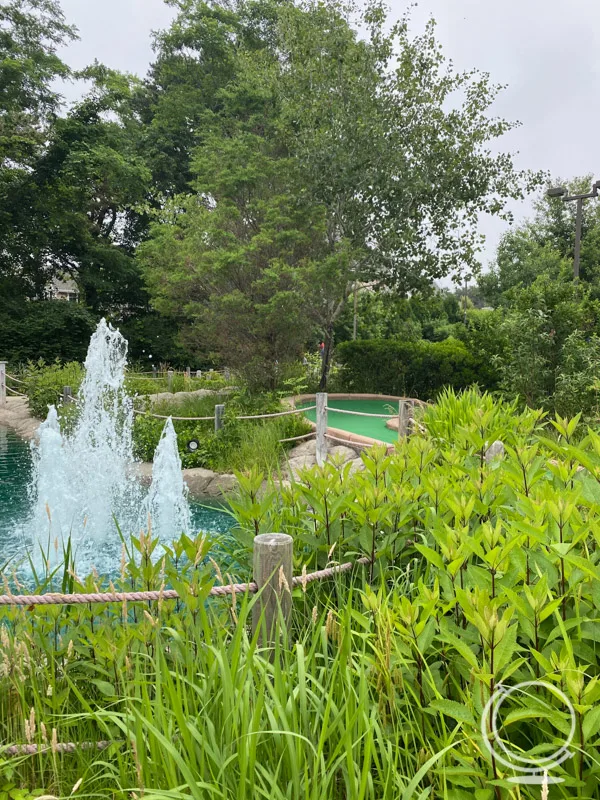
326,358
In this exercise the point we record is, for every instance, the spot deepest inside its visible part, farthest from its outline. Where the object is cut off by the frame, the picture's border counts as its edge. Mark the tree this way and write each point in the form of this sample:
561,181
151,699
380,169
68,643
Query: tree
394,144
545,245
370,135
31,31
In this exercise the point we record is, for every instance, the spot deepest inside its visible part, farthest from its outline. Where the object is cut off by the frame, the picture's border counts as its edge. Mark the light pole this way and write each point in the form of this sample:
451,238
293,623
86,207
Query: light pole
560,191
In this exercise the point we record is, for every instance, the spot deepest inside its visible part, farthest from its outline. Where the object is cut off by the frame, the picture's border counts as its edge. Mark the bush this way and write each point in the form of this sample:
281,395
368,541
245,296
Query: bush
45,329
240,445
413,369
44,384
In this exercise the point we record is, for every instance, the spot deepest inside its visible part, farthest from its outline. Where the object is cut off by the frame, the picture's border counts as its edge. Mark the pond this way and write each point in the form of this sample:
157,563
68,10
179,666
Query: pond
365,426
15,475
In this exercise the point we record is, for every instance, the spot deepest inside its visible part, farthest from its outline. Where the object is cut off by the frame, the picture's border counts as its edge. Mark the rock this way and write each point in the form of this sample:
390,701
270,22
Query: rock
178,398
143,472
198,480
357,465
294,465
341,453
305,449
495,450
220,485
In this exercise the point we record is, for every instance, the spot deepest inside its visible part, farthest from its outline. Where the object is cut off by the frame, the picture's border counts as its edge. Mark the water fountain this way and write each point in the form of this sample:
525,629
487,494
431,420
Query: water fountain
84,482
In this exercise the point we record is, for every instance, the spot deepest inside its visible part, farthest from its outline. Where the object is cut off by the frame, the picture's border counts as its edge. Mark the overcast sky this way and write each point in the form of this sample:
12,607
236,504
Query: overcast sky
547,51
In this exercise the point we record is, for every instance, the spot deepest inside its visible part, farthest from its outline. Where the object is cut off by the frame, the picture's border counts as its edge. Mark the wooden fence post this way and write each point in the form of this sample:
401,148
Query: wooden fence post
188,372
401,418
154,371
273,577
67,395
198,373
410,417
170,380
227,373
2,383
321,401
219,413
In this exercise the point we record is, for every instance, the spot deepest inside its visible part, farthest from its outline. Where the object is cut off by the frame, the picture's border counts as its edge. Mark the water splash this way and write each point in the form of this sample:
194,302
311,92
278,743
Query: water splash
84,483
167,503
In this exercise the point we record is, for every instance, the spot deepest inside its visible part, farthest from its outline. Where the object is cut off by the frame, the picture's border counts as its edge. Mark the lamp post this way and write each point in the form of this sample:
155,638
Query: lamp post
560,191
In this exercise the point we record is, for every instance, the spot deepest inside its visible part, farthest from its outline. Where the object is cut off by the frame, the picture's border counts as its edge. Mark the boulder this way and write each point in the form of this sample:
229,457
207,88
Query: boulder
198,480
294,465
220,485
178,398
356,465
341,453
495,450
304,449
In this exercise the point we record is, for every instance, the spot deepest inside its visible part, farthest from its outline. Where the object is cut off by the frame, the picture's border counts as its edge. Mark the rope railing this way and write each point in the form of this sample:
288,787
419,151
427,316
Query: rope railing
361,413
170,416
347,441
58,599
14,391
277,414
273,558
56,747
243,416
298,438
16,380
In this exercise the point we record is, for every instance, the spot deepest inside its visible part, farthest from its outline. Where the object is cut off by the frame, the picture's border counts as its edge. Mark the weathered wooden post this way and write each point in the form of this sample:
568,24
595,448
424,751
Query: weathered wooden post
219,414
198,373
154,371
188,373
401,418
273,577
170,380
227,373
2,383
321,401
410,417
67,396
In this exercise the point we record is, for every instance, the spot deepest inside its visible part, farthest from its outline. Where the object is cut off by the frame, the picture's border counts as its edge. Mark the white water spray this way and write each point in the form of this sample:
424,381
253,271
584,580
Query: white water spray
84,482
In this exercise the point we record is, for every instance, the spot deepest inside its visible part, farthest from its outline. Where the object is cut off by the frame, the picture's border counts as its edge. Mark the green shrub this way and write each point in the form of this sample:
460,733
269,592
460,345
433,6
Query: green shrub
413,369
239,445
45,329
44,383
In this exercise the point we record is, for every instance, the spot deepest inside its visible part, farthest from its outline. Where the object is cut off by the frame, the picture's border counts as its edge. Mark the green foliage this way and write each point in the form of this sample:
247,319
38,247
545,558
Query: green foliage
453,417
46,329
483,572
44,384
412,369
240,445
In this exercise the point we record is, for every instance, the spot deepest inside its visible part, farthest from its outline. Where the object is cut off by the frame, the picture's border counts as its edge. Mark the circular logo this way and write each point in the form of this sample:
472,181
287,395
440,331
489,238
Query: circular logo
533,769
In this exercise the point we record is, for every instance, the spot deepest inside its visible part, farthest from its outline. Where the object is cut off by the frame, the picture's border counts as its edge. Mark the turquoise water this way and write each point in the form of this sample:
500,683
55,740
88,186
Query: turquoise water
15,473
365,426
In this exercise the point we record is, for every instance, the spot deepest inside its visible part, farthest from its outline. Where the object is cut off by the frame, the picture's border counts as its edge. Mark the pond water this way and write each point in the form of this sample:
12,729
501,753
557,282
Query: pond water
365,426
15,475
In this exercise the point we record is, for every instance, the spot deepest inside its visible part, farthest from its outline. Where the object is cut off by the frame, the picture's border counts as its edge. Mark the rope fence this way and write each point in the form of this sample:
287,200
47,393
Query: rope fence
54,599
298,438
14,391
361,413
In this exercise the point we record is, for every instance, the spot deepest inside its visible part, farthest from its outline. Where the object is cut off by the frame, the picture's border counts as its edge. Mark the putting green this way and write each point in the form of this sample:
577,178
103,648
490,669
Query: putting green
365,426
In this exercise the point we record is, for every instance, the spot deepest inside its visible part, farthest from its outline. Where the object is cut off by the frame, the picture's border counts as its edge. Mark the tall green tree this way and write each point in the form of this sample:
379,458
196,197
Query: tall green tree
384,143
544,245
31,31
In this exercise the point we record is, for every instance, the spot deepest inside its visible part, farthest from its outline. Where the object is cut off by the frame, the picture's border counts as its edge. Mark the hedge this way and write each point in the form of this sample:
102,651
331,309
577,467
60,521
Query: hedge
413,369
46,329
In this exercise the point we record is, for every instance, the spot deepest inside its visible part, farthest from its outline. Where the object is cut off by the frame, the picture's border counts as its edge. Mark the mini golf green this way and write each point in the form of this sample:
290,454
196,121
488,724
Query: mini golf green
365,426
